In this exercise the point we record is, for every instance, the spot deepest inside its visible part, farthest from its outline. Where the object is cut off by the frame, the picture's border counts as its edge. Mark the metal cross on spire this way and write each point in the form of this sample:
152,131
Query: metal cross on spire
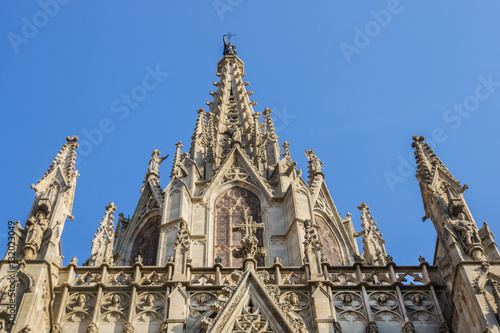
229,35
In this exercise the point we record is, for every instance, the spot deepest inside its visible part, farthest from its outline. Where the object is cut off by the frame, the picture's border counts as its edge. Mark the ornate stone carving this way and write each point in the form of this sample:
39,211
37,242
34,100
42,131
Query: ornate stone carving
311,239
249,248
286,153
81,302
56,328
178,169
128,328
115,302
372,327
251,319
102,244
92,328
373,243
201,303
314,166
154,163
409,328
183,243
36,227
150,301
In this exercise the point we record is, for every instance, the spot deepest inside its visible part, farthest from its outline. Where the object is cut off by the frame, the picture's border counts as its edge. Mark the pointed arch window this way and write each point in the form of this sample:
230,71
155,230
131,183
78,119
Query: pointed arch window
146,242
231,208
331,247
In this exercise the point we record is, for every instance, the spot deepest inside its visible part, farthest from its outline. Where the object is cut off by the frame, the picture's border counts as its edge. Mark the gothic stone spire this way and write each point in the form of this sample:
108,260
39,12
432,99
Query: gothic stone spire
102,244
53,203
373,243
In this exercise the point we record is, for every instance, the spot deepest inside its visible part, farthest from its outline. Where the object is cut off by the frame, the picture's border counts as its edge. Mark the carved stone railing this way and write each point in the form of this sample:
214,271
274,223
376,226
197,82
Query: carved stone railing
398,295
336,276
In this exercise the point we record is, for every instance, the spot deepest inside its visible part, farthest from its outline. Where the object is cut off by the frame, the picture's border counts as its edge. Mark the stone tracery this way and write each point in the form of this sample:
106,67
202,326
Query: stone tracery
231,208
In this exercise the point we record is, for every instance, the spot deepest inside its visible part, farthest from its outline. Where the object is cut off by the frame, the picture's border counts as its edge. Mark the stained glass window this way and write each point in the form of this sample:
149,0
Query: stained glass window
331,247
146,242
232,207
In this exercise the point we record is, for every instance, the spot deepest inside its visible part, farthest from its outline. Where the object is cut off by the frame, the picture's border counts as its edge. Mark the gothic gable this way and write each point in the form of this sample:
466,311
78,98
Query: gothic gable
250,308
238,169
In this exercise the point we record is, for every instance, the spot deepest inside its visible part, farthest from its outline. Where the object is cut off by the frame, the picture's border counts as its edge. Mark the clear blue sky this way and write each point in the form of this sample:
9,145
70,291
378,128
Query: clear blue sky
352,80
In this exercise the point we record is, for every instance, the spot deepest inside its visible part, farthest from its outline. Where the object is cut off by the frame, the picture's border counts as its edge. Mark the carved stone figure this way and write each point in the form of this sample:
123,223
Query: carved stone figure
155,161
347,300
372,328
236,134
56,328
382,300
311,235
409,328
92,328
315,165
417,299
128,328
293,299
116,300
150,300
467,231
183,243
202,300
164,327
36,228
81,300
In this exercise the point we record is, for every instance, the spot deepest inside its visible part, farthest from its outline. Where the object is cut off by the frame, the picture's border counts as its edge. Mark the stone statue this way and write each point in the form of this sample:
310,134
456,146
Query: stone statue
315,165
229,48
236,134
36,228
467,231
154,163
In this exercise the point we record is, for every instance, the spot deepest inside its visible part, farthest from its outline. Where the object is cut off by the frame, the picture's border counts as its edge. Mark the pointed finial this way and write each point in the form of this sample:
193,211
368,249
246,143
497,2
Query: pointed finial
66,159
427,161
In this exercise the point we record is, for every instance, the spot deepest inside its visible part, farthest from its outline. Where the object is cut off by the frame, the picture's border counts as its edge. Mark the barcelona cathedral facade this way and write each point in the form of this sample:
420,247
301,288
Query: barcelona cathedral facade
239,241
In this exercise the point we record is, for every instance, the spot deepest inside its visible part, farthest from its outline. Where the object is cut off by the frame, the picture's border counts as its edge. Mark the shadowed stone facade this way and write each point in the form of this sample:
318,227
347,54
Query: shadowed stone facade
238,241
